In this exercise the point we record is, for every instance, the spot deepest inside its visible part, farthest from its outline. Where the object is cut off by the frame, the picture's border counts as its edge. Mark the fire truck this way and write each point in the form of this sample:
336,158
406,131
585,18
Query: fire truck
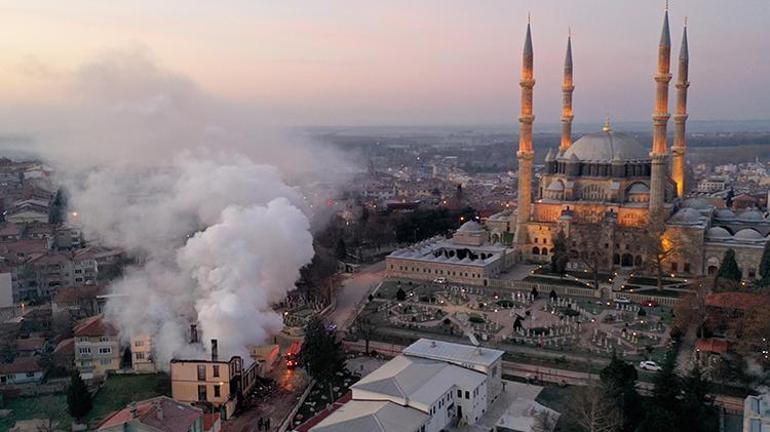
292,355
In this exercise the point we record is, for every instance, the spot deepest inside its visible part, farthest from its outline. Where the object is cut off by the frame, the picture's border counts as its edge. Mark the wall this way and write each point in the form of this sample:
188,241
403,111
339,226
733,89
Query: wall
184,381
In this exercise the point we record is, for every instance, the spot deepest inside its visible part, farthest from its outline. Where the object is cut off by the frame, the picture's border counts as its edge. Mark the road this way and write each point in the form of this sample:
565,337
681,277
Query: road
354,290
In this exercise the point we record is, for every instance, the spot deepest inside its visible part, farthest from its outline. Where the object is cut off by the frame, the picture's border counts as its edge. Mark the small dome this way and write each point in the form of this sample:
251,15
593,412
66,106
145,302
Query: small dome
638,188
748,234
687,216
555,186
607,146
718,232
751,215
698,204
470,226
724,214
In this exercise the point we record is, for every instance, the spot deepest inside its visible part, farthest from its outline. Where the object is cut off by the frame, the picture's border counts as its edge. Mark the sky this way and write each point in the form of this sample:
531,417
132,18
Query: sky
396,62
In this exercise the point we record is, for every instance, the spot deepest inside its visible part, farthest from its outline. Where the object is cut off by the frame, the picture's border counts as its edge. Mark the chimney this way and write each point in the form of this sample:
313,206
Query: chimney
214,350
193,333
158,410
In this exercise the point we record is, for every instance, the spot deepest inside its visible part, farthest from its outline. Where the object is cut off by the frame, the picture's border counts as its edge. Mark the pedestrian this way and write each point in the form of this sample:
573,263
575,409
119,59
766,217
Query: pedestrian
267,424
260,423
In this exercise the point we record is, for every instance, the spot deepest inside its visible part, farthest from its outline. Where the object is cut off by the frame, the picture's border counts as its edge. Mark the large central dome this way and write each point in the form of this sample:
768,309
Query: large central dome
607,146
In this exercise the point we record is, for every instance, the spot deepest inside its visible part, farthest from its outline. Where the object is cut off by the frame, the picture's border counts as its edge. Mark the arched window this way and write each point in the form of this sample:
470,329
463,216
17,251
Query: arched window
535,250
615,259
638,261
544,251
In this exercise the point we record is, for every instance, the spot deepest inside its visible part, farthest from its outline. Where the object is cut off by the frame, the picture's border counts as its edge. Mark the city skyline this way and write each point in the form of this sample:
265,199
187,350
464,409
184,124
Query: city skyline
344,63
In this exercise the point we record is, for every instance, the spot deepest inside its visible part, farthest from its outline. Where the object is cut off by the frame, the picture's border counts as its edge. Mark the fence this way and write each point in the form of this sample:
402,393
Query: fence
562,290
643,298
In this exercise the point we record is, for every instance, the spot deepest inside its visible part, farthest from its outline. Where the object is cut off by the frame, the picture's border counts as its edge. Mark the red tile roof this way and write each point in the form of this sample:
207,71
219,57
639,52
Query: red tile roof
173,416
30,344
719,346
71,296
735,300
95,326
66,346
21,365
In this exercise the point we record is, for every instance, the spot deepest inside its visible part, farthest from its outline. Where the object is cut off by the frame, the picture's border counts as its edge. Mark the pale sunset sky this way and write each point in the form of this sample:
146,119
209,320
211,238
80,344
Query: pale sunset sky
394,62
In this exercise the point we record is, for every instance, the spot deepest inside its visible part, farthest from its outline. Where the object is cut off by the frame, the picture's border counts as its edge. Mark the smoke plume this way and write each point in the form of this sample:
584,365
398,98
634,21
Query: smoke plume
193,189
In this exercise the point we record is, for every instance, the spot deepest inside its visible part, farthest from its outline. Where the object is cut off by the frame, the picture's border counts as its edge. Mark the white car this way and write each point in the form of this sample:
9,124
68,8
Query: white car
649,365
440,280
622,299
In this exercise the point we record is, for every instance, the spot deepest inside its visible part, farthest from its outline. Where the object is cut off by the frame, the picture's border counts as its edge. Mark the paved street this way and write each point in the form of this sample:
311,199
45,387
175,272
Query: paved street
353,292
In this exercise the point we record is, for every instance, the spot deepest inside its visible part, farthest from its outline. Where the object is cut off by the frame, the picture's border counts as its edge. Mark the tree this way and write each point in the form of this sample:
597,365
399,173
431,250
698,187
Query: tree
667,385
660,244
544,421
560,256
697,413
400,294
78,397
321,355
691,309
619,384
51,412
593,253
764,266
593,411
750,332
729,274
366,329
340,249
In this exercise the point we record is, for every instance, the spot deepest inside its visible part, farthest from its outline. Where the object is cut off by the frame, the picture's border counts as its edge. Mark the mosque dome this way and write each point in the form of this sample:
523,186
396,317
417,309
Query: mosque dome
748,234
751,215
470,226
607,146
687,216
638,188
697,203
718,233
724,214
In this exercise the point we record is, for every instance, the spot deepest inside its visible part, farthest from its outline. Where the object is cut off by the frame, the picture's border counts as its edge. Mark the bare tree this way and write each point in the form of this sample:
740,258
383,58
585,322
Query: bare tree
691,309
50,412
545,421
751,331
593,411
593,252
660,244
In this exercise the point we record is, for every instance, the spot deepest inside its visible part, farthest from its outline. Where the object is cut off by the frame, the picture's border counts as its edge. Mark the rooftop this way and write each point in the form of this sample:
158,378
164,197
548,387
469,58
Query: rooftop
161,413
94,326
462,355
372,416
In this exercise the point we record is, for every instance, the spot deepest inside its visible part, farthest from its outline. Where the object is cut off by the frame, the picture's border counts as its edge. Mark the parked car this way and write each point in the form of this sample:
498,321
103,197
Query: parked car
439,280
649,365
651,303
622,299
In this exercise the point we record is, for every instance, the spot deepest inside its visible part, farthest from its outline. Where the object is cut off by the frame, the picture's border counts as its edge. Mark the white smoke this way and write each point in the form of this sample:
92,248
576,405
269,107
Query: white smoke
156,167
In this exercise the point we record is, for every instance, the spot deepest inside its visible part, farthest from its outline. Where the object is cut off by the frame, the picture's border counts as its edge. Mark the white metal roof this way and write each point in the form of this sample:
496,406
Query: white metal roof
459,354
375,416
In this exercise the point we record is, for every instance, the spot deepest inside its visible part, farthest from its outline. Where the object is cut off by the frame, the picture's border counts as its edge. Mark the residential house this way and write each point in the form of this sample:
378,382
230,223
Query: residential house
756,413
23,370
160,414
63,357
97,349
26,211
30,346
79,301
10,232
141,354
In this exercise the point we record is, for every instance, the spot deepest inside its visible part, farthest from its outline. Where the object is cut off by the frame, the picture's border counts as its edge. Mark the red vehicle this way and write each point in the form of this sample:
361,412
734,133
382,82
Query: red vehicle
292,355
651,303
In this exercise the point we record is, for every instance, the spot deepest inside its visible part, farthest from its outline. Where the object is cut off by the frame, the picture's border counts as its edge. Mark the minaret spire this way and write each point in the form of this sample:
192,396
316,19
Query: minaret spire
680,118
567,87
660,120
525,155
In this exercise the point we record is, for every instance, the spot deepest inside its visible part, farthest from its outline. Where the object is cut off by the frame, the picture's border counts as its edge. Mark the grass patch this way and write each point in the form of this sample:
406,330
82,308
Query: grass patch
554,281
119,390
32,408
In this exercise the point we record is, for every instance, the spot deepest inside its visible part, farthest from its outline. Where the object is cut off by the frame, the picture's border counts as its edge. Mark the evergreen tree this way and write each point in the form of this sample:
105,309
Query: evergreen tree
321,355
560,256
729,274
78,397
667,385
619,384
340,250
764,266
697,413
400,294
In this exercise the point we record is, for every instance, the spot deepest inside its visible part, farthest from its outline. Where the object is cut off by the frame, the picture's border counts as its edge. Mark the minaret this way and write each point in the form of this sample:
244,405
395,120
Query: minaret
680,118
566,90
525,154
660,121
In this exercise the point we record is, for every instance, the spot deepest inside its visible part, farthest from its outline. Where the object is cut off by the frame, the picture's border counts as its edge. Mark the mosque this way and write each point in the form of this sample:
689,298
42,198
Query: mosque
606,179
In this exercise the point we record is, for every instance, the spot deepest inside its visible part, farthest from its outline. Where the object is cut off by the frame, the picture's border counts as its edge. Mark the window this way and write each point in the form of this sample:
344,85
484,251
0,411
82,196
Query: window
687,267
216,371
674,266
30,374
459,393
84,350
105,362
138,343
139,356
467,395
201,372
105,350
217,392
202,392
104,339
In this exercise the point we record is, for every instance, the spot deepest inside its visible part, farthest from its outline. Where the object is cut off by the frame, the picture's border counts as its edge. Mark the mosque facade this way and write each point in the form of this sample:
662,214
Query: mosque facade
606,185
